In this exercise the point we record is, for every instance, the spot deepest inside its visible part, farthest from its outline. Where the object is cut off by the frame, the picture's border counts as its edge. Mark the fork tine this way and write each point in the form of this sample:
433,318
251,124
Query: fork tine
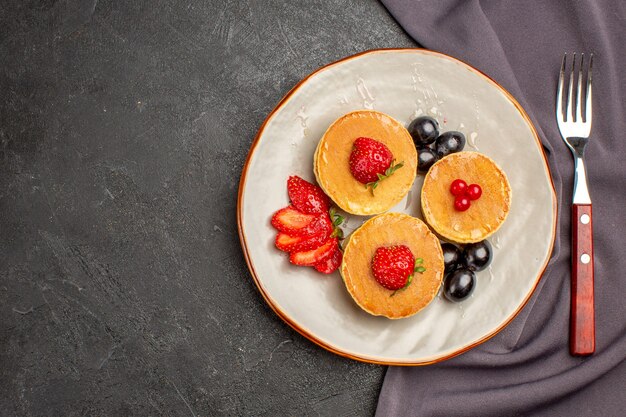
559,91
588,101
570,96
579,91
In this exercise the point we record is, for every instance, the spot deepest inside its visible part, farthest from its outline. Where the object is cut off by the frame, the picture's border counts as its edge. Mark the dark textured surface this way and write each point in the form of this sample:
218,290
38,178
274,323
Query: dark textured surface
123,130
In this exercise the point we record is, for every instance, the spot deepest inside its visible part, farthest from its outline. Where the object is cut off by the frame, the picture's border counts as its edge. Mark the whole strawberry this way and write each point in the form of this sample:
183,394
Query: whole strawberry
371,161
369,157
307,197
392,266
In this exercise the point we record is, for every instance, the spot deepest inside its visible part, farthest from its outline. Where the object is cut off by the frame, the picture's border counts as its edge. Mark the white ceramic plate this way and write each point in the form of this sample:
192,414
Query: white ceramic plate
403,83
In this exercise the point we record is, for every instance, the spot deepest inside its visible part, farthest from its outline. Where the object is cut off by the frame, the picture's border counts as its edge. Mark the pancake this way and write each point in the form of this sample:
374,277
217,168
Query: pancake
386,230
484,216
332,170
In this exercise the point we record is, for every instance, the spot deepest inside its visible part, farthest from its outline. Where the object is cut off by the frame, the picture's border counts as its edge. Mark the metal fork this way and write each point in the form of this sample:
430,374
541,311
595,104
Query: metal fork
575,132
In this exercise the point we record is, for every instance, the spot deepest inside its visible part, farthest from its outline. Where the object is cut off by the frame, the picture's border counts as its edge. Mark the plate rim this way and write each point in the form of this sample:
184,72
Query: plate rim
299,328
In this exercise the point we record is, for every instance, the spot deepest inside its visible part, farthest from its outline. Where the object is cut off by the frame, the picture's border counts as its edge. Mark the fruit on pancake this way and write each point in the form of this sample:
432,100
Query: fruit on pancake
474,191
368,159
354,162
371,161
464,194
484,215
461,203
384,277
458,187
392,266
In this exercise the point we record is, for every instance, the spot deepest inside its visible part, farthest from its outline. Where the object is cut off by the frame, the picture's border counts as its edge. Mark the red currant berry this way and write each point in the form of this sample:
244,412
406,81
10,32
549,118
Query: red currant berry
474,191
458,187
461,203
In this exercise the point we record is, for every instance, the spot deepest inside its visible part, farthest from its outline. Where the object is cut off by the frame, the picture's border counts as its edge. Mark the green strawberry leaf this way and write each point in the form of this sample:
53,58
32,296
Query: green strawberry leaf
338,233
336,220
418,266
388,172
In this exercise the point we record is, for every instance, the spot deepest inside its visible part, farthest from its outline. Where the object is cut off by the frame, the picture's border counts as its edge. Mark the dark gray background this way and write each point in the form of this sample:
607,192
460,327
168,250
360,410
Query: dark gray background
123,130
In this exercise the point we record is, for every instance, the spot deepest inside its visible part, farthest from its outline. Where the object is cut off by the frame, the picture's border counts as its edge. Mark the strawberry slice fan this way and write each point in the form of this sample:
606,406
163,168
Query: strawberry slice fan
308,229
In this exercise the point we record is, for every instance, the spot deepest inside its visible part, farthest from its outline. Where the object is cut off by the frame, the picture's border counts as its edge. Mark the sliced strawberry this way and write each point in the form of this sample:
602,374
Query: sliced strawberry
331,264
306,197
322,225
289,220
314,256
288,243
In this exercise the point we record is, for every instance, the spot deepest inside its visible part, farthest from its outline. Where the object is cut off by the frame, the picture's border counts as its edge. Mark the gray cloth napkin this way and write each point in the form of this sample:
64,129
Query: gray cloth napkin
527,369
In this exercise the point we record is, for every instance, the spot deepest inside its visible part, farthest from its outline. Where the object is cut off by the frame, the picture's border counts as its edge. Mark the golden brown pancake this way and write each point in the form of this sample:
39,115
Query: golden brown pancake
386,230
332,170
484,216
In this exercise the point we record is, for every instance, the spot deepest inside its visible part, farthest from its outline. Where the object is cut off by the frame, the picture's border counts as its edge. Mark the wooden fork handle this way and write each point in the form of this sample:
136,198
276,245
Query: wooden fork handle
582,322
